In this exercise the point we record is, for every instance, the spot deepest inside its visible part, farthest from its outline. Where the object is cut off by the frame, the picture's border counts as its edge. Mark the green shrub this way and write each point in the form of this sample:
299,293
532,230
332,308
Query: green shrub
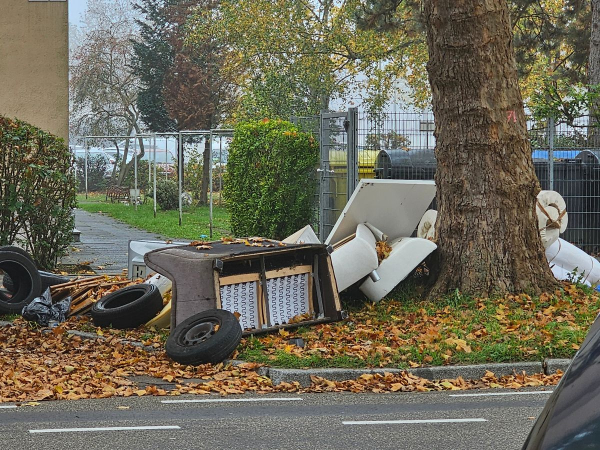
142,177
192,172
167,194
270,179
96,173
37,191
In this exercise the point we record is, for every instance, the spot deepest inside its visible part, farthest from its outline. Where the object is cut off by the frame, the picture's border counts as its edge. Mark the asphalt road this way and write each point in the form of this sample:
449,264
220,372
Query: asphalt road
437,420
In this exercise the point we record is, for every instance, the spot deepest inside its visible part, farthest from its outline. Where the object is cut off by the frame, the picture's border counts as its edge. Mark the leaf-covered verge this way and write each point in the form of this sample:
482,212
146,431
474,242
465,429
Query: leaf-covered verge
55,365
400,332
42,364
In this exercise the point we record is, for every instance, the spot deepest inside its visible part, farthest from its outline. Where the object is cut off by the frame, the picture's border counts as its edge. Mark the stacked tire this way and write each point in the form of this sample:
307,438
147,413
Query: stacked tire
128,307
21,280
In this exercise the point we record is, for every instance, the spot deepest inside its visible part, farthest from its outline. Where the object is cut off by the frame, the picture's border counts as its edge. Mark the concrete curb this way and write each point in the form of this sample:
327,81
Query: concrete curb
469,372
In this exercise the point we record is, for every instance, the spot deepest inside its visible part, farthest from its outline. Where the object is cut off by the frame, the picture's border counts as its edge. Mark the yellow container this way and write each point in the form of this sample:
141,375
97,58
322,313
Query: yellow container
338,181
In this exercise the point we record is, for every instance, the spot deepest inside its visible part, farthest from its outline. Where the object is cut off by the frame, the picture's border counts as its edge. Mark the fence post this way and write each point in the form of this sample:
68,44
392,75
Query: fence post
352,131
154,173
135,170
87,151
180,166
551,133
210,185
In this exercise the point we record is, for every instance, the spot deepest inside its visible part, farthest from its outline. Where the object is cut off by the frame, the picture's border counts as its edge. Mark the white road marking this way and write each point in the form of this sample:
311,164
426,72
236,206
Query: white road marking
413,421
226,400
7,406
73,430
492,394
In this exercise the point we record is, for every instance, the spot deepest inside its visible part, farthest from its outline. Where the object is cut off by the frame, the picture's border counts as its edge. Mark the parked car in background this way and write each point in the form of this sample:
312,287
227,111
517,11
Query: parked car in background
79,152
571,417
166,159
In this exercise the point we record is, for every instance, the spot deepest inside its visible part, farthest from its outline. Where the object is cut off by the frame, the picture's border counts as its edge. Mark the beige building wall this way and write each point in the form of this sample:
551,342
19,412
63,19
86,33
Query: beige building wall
34,63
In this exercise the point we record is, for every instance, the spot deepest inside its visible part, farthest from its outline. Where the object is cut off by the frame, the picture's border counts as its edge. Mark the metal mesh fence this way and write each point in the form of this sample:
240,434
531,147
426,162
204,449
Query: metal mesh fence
397,145
400,146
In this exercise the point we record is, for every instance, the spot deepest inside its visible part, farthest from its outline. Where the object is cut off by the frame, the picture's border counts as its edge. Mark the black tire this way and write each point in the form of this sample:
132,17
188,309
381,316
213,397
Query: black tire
195,341
19,250
8,283
128,307
48,279
26,282
51,279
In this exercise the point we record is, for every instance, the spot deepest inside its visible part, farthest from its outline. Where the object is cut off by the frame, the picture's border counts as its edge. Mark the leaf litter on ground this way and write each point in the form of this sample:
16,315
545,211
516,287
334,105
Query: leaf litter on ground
40,364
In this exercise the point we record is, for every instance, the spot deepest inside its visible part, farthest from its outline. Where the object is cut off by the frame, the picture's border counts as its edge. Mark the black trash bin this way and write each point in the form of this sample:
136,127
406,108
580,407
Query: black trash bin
576,179
399,164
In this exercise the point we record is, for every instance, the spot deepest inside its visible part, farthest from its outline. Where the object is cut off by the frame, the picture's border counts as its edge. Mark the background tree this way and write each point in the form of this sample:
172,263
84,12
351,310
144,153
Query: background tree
103,87
153,57
190,89
315,45
551,41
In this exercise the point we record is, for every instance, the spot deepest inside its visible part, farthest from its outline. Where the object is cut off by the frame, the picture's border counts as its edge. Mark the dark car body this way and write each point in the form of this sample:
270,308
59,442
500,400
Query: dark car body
571,417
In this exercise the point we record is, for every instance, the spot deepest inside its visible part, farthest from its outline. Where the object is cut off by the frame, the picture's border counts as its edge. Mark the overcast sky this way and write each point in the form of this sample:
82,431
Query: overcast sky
76,10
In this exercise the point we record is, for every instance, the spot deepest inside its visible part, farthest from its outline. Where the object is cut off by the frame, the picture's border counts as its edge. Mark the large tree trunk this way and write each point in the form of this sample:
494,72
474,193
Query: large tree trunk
594,74
486,184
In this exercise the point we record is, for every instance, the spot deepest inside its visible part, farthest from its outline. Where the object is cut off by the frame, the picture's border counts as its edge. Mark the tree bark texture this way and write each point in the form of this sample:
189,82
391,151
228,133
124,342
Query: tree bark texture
486,185
594,73
594,58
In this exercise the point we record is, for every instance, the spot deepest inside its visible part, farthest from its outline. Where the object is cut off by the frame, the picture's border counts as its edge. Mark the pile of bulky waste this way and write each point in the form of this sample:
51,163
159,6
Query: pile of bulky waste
49,299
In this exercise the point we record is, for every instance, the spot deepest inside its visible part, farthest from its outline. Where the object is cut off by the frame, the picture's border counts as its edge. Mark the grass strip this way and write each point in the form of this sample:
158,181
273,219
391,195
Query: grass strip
195,219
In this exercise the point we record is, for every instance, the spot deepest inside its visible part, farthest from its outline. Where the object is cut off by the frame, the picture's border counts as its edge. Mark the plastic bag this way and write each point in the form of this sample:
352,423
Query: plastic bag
42,311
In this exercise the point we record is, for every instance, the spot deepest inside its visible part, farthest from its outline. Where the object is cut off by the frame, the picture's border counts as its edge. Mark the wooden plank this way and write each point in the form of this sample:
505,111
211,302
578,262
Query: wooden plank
116,283
310,294
216,280
341,242
336,297
288,271
262,306
57,296
83,307
80,282
241,278
80,295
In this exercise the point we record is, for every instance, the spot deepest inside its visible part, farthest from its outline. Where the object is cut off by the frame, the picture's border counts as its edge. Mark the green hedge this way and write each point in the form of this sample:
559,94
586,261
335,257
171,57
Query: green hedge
37,191
270,184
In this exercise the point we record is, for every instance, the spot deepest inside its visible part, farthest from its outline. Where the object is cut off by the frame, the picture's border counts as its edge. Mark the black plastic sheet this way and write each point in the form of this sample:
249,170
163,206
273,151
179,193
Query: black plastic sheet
43,311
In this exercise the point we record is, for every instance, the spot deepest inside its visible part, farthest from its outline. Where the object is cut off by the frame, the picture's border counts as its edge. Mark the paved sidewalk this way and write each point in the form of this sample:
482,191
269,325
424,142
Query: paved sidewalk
104,243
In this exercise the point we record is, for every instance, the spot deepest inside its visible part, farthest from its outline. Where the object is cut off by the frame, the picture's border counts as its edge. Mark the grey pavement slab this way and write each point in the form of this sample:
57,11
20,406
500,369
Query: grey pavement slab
103,243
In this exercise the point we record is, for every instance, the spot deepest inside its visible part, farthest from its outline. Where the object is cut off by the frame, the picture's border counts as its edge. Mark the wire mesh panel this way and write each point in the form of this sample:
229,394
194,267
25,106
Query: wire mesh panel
567,160
400,142
400,145
339,173
311,124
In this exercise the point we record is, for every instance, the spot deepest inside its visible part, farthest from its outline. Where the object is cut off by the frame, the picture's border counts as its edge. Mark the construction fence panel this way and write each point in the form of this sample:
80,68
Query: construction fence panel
400,145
